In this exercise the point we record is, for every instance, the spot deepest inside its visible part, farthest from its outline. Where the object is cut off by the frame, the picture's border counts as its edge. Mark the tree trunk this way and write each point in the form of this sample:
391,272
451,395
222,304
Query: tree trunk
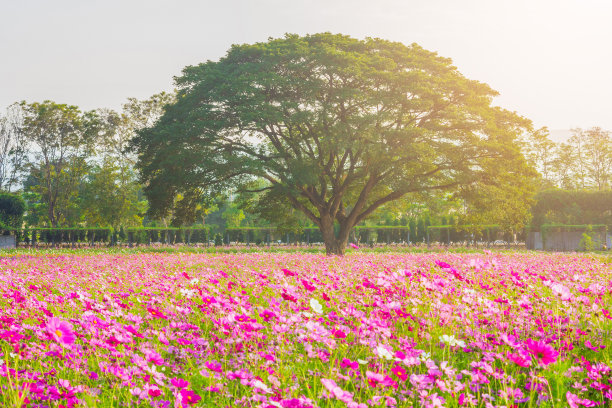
334,245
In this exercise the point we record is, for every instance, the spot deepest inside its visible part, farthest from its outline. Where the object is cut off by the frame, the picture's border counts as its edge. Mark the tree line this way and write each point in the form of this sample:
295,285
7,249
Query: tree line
321,130
583,162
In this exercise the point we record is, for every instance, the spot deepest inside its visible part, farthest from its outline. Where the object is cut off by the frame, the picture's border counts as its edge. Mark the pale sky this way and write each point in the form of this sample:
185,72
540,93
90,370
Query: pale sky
551,60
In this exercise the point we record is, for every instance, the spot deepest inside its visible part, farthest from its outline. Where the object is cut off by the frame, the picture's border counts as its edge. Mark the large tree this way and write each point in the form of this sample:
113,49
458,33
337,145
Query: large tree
13,152
336,126
60,139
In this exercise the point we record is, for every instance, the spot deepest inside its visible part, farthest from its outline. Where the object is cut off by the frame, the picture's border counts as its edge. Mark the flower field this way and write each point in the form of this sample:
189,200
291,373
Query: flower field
298,330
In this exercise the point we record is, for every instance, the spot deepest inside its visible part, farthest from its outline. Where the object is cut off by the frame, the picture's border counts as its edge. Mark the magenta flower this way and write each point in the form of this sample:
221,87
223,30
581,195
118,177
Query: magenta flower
267,315
61,331
400,373
442,265
131,329
213,366
544,353
346,363
308,286
287,272
353,246
575,402
190,397
288,297
179,383
336,391
153,357
519,360
339,334
156,313
209,300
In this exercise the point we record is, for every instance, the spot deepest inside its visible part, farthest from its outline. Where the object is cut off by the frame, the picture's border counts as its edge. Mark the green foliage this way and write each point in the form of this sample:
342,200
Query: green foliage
336,126
233,216
420,231
572,207
60,137
218,239
109,196
413,230
12,208
587,243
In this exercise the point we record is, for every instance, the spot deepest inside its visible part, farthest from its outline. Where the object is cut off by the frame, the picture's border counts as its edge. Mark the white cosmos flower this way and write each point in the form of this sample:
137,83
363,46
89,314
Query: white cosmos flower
362,362
316,306
188,293
261,386
425,356
451,340
194,281
384,353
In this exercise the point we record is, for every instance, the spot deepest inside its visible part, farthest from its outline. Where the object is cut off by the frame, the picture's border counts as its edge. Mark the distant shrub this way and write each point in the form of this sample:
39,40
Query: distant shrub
12,208
587,243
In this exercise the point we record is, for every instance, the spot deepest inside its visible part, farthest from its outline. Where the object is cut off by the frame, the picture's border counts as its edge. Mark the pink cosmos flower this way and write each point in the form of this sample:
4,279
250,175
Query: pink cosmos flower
154,392
209,300
346,363
575,401
336,391
519,360
267,315
308,286
544,353
339,334
590,346
287,272
61,331
153,357
442,264
353,246
400,373
156,313
213,366
132,329
179,382
288,297
190,397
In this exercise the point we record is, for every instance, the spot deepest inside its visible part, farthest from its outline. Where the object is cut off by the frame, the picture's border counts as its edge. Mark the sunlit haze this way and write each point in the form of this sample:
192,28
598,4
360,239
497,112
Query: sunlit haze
550,60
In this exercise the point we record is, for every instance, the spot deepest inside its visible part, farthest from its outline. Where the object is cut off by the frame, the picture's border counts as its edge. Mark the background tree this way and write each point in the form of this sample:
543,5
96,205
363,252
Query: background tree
564,165
109,196
499,200
580,172
337,126
60,138
540,152
598,148
13,150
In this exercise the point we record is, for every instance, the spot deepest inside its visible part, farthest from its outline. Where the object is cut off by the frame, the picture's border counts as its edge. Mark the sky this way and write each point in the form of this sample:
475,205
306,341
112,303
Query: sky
551,61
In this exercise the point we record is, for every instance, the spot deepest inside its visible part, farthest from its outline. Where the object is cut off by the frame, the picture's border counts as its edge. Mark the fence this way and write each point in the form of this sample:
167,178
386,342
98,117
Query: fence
550,237
79,237
558,237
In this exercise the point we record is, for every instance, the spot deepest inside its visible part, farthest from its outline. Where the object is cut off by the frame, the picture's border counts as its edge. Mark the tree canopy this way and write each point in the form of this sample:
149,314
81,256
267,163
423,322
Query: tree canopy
333,125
